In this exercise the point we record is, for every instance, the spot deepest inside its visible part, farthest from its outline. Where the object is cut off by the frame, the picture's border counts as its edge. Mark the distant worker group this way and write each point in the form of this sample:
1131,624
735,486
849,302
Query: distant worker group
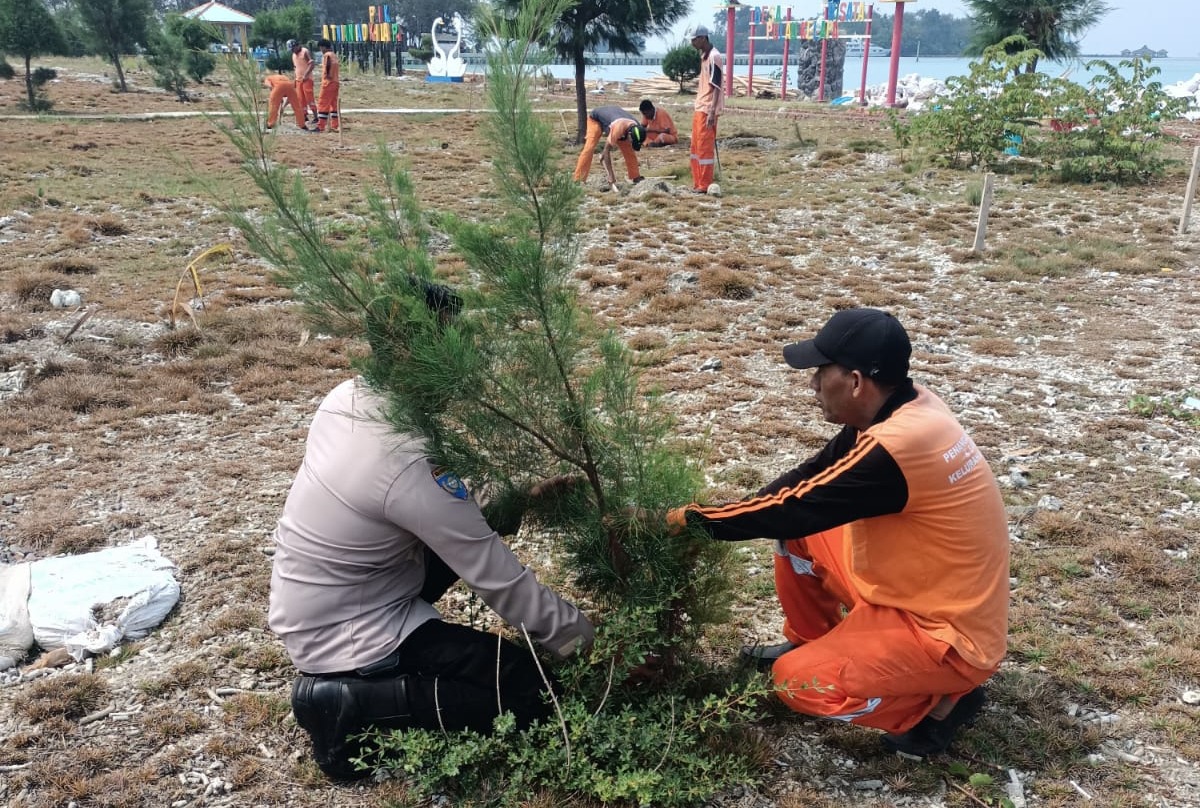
657,129
298,90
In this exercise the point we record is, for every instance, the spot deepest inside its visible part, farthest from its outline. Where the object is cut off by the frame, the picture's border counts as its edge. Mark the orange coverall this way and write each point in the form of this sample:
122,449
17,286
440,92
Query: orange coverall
617,129
327,104
281,88
660,131
901,606
710,101
302,62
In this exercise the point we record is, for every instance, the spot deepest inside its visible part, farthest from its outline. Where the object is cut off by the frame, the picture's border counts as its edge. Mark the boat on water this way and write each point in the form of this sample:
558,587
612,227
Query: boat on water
855,48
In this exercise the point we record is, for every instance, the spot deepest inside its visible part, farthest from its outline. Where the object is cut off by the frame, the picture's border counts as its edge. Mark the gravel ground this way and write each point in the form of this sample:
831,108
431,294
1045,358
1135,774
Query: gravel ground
1074,384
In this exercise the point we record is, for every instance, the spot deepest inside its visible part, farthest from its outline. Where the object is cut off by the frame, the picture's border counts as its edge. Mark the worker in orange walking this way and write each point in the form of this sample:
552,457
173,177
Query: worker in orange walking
710,103
624,134
282,89
660,129
327,104
303,64
891,548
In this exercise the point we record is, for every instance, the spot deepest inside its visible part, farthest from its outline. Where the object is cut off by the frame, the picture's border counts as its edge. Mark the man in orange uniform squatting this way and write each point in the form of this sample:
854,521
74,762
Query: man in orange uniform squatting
624,133
710,103
303,64
327,104
660,129
892,548
282,88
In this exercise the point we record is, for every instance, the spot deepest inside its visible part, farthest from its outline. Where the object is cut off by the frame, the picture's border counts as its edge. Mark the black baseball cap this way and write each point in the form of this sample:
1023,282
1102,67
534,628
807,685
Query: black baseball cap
867,340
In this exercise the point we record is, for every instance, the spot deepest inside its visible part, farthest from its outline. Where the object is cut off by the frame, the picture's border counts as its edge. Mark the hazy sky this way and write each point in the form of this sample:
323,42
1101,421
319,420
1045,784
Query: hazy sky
1171,25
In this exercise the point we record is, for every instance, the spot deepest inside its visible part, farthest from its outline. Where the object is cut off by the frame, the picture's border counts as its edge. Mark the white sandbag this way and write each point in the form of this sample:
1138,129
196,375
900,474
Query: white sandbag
91,602
16,632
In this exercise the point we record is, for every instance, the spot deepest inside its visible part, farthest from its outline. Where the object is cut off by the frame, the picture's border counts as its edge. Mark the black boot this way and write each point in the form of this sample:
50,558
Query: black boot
931,736
764,656
332,709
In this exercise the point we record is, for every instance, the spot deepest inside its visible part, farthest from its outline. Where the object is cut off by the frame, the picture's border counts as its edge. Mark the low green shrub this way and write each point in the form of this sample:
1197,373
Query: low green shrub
1109,130
625,744
681,64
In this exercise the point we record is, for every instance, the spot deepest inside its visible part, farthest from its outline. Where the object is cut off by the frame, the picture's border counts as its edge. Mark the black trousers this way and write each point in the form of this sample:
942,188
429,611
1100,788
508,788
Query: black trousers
443,676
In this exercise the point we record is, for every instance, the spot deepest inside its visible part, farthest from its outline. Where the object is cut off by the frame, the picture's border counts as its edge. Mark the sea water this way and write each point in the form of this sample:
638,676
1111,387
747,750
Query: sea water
934,67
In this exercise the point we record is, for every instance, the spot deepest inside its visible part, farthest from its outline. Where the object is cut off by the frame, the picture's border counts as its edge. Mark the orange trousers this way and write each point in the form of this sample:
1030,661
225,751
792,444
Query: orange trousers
662,139
304,91
583,166
857,662
280,91
327,106
704,151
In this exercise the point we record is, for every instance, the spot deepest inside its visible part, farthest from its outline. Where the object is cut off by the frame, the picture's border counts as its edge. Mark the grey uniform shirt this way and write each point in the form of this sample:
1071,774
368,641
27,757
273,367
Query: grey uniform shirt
349,555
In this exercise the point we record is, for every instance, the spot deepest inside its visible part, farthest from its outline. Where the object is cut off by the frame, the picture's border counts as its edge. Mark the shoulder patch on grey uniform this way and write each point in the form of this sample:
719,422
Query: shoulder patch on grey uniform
450,482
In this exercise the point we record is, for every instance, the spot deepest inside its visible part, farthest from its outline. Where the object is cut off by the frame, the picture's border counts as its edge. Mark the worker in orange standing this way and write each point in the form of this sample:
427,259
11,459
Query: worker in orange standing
624,134
891,560
327,104
303,64
710,103
282,89
660,129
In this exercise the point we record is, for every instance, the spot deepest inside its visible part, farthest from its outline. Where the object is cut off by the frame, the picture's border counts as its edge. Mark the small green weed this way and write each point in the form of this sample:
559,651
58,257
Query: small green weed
980,787
1183,406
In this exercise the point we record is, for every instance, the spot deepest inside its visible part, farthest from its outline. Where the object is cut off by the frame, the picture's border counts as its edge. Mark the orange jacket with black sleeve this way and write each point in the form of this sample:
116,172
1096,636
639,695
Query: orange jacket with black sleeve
926,530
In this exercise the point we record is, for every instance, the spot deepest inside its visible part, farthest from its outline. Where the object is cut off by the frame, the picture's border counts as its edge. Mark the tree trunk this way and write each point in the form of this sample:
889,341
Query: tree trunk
29,82
116,59
581,107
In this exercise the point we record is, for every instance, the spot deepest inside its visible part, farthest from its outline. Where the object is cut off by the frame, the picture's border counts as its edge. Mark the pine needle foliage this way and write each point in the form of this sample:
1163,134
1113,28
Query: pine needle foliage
524,383
521,385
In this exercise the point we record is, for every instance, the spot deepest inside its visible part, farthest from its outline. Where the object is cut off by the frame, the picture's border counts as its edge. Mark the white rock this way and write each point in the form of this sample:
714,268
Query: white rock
1049,503
65,299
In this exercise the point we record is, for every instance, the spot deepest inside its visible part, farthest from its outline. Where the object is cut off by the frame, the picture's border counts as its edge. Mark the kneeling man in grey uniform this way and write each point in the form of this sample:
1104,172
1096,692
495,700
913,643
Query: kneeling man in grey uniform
371,535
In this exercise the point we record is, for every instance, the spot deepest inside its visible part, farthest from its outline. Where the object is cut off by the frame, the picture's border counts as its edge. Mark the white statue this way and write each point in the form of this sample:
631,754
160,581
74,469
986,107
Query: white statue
447,66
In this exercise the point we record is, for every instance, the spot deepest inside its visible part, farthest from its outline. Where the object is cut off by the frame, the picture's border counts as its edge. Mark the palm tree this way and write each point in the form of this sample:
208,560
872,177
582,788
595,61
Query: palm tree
1052,26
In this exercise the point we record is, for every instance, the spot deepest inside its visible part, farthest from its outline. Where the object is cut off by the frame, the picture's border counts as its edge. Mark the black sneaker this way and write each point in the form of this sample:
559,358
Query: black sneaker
931,736
636,180
764,656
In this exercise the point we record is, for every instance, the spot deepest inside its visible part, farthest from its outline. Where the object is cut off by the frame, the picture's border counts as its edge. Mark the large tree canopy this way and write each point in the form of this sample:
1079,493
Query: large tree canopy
27,29
1052,26
620,25
274,27
115,27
